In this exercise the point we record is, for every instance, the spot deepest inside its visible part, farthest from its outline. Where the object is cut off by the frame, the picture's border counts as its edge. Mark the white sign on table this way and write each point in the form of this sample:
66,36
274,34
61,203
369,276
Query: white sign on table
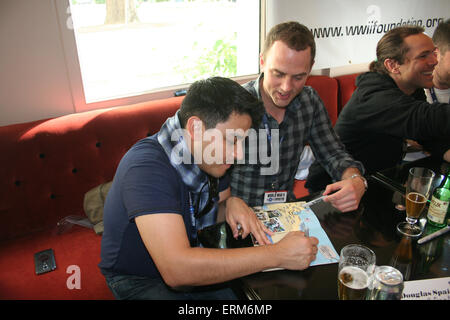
429,289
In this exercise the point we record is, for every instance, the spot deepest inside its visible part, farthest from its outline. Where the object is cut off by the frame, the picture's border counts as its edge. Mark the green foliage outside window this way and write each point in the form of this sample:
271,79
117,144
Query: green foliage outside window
220,60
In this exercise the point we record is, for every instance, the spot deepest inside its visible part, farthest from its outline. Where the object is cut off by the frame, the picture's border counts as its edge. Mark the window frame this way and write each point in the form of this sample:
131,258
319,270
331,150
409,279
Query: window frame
74,69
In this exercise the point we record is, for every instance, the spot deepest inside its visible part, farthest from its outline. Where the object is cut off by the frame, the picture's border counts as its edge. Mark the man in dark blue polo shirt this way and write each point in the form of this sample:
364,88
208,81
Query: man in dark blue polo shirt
168,186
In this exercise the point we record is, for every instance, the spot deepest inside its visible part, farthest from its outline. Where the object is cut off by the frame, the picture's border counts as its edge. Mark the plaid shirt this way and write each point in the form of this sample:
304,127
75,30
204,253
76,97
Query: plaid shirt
306,121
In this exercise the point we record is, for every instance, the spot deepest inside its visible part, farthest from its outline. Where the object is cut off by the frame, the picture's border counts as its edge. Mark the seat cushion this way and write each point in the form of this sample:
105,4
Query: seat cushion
77,247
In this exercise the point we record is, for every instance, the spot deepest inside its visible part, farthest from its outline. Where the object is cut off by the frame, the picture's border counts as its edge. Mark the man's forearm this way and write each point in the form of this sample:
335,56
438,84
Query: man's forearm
210,266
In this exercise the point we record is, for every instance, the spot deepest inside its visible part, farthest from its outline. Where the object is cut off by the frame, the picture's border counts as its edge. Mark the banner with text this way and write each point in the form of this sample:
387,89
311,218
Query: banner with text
347,31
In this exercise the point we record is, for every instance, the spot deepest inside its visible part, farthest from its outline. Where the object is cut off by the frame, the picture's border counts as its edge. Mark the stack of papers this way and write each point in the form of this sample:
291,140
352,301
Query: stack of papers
282,218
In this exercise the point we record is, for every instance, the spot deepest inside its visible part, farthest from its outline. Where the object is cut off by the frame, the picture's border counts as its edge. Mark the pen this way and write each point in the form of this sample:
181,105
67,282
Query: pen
310,203
305,229
433,235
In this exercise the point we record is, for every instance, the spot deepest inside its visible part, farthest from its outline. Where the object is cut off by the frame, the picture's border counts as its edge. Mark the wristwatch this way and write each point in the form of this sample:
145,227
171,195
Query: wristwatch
362,178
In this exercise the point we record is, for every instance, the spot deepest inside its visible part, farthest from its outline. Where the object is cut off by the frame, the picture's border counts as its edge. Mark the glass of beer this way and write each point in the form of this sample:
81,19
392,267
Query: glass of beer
418,188
356,266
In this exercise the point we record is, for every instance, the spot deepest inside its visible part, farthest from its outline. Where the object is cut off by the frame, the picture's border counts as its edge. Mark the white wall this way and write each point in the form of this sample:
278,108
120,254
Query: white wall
347,31
33,76
35,80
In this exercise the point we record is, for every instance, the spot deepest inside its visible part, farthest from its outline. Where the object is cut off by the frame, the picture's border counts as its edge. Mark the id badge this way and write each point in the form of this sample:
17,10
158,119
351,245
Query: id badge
275,197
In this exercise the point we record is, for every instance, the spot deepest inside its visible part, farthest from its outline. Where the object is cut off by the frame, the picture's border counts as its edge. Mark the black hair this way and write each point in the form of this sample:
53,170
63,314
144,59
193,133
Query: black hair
213,100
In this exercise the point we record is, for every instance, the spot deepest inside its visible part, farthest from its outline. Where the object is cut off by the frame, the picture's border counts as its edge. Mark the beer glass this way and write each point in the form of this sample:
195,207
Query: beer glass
356,265
417,192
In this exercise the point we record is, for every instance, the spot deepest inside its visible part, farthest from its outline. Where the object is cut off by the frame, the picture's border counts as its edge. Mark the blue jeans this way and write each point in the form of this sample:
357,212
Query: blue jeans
129,287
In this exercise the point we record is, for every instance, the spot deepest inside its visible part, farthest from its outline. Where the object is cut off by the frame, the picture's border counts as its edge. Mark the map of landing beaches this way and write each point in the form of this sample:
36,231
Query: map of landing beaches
282,218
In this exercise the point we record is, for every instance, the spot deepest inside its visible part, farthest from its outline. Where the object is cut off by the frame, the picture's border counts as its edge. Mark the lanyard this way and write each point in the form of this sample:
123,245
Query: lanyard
269,134
194,240
191,205
433,95
269,147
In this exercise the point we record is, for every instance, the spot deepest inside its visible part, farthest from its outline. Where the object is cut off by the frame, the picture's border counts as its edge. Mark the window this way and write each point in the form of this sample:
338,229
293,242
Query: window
131,47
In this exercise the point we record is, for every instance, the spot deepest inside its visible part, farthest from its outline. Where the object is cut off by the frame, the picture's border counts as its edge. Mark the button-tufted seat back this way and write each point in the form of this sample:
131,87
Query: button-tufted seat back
47,166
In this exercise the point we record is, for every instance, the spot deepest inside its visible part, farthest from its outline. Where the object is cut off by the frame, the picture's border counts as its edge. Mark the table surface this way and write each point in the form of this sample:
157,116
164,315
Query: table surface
373,225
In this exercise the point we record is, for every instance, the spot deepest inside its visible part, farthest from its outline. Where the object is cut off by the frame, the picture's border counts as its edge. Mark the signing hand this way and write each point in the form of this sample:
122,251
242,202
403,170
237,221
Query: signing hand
297,251
237,212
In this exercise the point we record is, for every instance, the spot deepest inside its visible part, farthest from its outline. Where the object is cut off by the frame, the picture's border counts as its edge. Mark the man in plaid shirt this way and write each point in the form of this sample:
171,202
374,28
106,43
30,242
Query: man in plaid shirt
295,116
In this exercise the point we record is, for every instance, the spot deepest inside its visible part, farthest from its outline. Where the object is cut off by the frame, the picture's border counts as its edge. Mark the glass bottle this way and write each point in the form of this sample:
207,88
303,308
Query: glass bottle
439,207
